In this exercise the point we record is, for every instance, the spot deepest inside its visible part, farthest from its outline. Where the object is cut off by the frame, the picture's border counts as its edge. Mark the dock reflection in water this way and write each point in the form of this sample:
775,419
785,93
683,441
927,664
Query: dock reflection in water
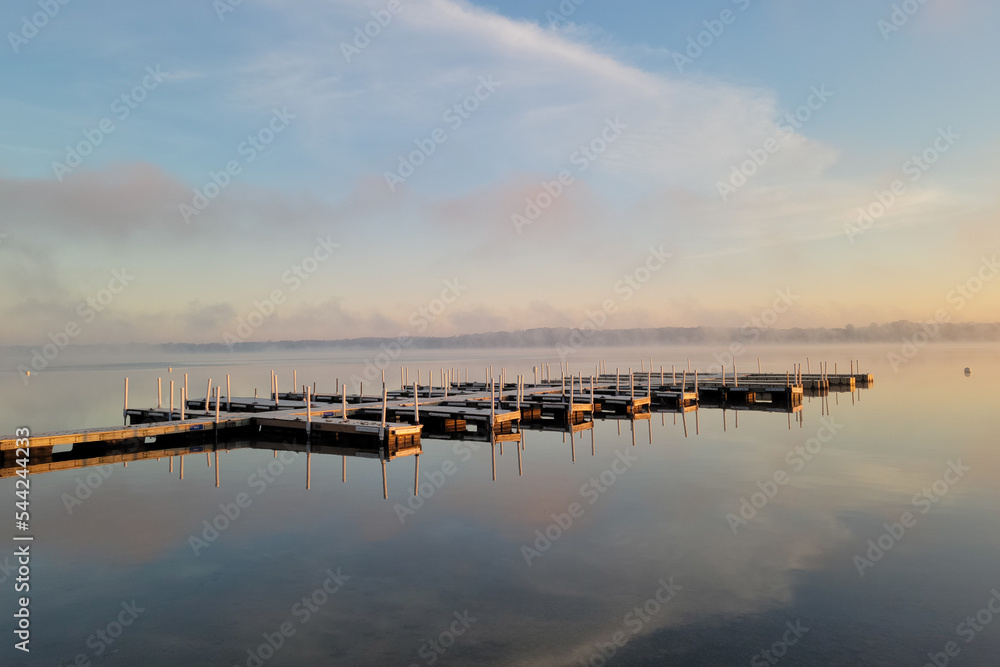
550,536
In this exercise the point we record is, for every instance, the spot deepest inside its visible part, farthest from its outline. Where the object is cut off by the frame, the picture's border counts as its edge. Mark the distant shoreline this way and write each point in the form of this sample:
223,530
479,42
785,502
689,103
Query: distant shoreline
553,337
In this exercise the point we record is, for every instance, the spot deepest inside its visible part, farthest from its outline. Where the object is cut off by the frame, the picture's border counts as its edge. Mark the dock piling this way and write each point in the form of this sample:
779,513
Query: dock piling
381,429
416,404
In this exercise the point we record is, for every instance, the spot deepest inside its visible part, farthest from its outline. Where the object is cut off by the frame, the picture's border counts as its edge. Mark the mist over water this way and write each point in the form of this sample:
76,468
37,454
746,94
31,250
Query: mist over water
631,543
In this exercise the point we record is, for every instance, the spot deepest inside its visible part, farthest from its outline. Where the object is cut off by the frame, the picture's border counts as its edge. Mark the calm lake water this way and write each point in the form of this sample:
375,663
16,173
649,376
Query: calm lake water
642,566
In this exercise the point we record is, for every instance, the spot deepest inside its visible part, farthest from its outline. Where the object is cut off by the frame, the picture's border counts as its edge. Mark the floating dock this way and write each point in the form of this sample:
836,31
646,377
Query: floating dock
481,410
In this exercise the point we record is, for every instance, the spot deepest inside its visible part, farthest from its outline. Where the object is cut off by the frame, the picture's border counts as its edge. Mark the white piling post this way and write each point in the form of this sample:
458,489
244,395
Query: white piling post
295,381
186,391
159,393
218,394
125,409
229,394
171,417
309,414
758,366
381,429
736,376
208,395
183,403
416,405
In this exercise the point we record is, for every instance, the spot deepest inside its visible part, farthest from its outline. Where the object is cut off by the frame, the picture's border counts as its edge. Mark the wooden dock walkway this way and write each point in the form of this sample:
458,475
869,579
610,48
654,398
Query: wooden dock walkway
453,408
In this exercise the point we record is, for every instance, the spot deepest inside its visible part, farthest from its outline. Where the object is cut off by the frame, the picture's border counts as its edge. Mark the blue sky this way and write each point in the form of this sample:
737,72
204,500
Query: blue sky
345,121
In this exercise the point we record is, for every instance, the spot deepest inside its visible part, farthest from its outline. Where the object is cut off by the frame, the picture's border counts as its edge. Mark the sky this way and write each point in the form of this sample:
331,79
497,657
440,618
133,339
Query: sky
207,172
